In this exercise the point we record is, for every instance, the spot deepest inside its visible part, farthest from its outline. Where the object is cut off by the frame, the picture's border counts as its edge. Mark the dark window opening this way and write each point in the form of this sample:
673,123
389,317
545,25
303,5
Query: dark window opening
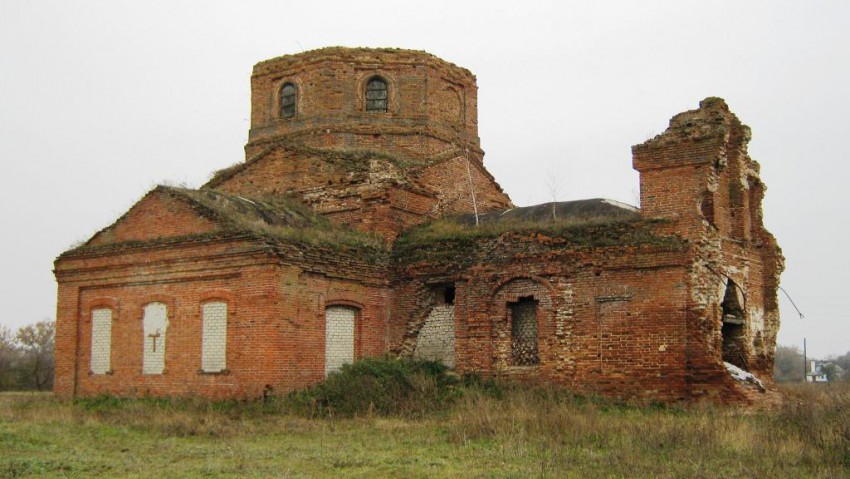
523,316
444,294
376,95
707,207
733,330
287,101
449,295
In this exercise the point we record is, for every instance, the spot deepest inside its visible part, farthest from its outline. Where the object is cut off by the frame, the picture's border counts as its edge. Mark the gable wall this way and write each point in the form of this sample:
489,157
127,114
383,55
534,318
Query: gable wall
157,215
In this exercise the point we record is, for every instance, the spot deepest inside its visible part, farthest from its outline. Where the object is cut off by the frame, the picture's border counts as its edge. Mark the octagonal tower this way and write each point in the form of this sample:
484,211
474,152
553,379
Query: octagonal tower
379,139
416,103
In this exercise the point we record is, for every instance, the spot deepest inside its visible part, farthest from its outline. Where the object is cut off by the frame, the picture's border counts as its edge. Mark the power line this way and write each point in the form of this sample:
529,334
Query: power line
792,302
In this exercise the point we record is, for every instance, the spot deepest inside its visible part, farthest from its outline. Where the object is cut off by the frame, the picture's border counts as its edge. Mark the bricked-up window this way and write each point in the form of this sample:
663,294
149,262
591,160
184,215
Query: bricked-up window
287,100
339,337
376,95
524,332
155,325
101,340
214,337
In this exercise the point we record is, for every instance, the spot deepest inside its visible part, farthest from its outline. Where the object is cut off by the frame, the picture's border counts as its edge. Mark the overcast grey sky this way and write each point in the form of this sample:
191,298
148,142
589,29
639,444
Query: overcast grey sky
101,100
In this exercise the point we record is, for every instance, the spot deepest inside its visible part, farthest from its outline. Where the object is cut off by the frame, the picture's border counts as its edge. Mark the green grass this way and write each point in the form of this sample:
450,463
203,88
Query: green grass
481,430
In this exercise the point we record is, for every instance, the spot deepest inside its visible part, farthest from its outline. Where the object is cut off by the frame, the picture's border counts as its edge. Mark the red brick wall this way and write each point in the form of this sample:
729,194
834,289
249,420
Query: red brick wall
627,309
378,172
423,90
371,195
610,321
158,214
699,174
275,321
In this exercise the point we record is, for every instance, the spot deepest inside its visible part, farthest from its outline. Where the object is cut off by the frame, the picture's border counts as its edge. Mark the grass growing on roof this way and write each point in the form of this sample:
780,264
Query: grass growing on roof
581,232
281,218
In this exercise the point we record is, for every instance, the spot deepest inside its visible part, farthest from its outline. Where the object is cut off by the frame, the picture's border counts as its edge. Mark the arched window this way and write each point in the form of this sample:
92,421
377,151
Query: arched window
376,95
287,100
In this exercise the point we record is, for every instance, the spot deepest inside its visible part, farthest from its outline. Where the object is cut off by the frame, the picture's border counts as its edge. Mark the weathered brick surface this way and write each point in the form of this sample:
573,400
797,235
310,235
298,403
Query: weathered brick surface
378,172
232,291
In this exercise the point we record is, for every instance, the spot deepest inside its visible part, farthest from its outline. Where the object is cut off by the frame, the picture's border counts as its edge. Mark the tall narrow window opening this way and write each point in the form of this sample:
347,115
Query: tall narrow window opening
733,328
214,337
287,100
155,326
376,95
523,314
101,340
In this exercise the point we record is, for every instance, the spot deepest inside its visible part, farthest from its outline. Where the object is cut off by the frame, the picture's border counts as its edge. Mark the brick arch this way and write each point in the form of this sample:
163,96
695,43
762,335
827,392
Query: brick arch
102,302
447,104
222,295
506,286
511,291
349,303
169,301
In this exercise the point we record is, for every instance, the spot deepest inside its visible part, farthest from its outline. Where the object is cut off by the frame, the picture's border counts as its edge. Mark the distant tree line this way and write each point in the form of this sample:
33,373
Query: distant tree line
26,357
790,365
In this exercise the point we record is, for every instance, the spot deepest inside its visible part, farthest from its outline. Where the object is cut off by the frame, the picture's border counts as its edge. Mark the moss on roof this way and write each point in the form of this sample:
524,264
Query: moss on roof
457,237
273,219
277,218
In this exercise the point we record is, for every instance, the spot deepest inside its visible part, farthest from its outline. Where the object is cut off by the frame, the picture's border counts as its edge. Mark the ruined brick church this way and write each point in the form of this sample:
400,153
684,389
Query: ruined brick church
363,222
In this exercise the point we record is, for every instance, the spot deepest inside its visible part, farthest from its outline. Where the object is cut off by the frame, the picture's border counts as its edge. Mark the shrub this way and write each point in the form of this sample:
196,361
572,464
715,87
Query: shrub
379,386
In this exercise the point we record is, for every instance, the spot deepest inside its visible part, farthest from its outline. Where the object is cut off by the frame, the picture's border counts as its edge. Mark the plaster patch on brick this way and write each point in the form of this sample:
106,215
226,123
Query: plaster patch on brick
214,337
339,337
564,313
101,340
155,325
756,320
436,339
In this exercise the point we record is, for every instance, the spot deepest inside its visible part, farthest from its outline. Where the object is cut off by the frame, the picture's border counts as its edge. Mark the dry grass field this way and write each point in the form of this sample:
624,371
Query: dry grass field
477,430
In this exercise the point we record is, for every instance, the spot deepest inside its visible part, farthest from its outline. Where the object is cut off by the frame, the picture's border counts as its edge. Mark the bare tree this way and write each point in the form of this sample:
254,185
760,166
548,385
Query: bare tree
37,344
554,185
8,357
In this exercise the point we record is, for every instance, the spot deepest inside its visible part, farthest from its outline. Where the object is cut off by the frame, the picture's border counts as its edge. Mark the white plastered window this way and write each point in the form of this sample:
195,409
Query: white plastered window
155,326
214,337
339,337
101,340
